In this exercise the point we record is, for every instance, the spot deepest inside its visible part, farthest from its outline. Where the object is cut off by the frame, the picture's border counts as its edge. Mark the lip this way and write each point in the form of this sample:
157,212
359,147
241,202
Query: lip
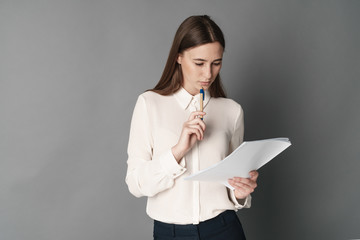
205,83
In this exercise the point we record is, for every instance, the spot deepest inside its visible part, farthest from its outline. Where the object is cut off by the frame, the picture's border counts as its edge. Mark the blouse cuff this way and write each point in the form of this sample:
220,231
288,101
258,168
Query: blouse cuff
247,203
171,166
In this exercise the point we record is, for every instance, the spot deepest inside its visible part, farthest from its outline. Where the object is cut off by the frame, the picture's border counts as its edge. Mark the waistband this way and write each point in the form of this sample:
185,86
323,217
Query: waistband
222,219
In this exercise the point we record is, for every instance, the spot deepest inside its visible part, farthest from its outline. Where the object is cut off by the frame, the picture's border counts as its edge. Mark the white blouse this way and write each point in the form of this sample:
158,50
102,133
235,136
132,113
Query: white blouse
153,171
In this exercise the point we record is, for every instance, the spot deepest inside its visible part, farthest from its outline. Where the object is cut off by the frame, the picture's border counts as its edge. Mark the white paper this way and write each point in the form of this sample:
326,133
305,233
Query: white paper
248,156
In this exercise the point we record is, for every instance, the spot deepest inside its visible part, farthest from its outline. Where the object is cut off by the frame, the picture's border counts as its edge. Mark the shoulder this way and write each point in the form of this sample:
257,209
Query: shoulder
152,96
148,95
227,104
152,99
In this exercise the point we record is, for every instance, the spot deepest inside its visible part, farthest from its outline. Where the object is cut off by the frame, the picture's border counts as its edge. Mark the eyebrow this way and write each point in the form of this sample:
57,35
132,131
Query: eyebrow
203,60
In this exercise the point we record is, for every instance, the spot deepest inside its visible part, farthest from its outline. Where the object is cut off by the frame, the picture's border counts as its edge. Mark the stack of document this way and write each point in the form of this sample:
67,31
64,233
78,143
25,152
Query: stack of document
248,156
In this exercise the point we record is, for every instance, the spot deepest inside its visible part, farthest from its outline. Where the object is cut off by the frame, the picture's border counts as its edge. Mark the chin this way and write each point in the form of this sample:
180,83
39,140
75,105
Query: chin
205,87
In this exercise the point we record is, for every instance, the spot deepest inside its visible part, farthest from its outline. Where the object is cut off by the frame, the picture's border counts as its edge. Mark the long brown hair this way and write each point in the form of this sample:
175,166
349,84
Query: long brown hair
193,31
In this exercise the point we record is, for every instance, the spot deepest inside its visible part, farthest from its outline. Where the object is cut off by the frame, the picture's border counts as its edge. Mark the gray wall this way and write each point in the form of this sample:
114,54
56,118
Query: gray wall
70,73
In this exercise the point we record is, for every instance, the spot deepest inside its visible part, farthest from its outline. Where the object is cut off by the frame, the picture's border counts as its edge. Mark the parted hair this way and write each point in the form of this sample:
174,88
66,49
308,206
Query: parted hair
193,31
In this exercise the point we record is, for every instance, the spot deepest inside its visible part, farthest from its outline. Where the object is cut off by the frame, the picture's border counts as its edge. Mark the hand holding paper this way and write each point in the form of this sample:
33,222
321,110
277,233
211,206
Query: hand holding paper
247,157
243,187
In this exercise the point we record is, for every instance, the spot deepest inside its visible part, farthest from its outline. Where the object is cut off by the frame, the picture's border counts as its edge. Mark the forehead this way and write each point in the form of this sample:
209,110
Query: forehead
206,51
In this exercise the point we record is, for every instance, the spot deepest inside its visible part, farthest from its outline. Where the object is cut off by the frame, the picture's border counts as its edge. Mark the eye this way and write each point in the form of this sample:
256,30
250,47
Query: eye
199,64
216,63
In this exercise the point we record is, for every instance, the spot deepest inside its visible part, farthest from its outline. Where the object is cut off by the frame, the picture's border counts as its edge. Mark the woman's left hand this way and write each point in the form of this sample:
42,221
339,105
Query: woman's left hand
244,186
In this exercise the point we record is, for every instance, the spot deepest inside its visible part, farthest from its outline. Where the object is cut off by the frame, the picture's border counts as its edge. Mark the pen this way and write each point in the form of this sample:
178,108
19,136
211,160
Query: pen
202,97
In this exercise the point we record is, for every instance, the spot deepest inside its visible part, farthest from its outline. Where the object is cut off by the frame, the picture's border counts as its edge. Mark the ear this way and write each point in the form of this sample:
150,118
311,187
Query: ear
179,58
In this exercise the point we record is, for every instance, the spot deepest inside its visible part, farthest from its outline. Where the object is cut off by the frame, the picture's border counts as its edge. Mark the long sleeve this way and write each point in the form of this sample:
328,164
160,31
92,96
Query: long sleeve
236,140
148,175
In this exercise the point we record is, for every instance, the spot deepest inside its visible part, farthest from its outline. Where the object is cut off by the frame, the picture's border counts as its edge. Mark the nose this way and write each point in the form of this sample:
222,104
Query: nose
208,72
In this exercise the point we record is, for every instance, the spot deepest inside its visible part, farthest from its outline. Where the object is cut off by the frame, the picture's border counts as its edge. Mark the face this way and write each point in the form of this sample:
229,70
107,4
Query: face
200,66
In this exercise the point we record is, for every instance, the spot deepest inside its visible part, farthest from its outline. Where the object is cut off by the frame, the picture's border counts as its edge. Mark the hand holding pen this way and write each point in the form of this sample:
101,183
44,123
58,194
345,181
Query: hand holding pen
192,131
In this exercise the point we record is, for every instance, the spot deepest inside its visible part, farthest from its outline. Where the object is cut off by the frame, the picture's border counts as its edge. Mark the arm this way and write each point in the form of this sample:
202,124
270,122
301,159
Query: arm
236,140
146,175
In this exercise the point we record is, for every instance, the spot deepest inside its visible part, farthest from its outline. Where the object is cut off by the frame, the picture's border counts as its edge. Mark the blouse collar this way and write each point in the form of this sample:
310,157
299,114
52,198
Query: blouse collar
185,98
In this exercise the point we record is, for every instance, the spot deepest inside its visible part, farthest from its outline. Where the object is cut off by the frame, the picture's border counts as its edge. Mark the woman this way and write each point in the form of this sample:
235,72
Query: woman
169,141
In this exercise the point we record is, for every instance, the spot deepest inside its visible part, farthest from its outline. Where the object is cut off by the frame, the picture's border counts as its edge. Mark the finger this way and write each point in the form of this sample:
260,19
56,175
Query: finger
189,131
254,175
197,121
241,191
240,179
194,115
242,187
199,129
245,181
231,182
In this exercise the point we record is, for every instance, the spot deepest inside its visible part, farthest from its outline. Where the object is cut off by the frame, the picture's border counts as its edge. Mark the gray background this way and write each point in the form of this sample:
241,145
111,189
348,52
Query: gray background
70,73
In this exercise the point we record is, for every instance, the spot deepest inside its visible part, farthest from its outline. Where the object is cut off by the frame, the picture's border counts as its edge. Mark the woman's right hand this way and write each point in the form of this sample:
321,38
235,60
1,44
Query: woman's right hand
192,131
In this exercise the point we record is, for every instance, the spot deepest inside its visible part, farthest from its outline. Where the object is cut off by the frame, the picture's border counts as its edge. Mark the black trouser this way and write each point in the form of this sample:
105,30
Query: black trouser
225,226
